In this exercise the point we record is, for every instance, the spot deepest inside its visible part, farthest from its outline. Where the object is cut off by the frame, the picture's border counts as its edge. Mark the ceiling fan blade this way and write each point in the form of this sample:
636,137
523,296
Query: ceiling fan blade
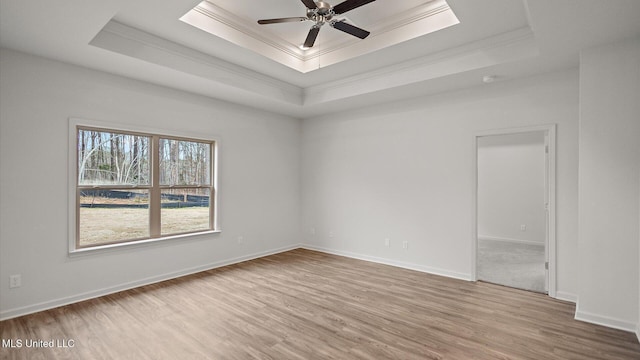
311,38
309,4
282,20
350,29
349,5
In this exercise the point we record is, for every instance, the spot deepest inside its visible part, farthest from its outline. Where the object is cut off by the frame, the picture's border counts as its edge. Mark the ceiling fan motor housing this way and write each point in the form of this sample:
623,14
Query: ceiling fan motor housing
322,13
324,8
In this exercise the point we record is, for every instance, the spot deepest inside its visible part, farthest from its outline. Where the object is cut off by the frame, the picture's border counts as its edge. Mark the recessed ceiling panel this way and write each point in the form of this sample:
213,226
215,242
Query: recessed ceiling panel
389,22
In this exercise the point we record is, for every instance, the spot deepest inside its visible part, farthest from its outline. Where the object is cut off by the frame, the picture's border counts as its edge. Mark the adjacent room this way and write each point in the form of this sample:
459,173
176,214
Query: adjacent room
284,179
512,209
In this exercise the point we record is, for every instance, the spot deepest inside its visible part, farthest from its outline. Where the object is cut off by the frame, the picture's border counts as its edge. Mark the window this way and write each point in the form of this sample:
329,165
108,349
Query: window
136,186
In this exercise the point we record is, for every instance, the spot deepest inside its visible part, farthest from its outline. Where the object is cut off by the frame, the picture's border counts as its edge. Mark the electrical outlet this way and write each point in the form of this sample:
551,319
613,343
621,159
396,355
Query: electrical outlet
523,227
386,242
405,244
330,234
15,281
240,239
312,231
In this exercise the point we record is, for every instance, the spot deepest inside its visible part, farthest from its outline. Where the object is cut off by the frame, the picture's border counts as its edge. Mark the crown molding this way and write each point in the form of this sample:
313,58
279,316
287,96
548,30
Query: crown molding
421,20
512,46
519,36
216,13
129,41
391,23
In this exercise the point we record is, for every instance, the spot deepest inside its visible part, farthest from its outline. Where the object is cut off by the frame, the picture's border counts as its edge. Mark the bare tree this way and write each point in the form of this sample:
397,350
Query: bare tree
112,158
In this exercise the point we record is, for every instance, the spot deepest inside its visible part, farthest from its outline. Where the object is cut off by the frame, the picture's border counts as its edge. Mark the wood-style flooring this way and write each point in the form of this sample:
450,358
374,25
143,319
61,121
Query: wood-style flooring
309,305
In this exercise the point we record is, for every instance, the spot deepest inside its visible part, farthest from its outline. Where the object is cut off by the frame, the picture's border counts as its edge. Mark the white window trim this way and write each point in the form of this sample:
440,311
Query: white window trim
74,123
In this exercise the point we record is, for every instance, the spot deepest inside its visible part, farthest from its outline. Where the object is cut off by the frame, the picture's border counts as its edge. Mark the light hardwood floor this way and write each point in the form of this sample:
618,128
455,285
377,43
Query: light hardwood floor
308,305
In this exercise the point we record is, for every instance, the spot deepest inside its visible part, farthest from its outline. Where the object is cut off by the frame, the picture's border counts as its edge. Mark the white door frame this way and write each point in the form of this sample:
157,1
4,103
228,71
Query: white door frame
550,245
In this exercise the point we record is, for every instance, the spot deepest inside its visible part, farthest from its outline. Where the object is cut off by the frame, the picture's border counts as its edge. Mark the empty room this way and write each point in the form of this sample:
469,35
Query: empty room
285,179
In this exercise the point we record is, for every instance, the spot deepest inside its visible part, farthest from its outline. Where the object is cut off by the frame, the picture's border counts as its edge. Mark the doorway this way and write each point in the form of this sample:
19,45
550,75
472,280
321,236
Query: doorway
515,180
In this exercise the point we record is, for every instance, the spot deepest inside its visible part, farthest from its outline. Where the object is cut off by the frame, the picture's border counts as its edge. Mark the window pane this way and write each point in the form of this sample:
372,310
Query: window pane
108,216
184,162
107,158
184,210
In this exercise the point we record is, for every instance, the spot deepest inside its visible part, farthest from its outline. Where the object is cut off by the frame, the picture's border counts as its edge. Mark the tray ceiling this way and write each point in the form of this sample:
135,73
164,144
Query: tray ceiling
145,40
390,23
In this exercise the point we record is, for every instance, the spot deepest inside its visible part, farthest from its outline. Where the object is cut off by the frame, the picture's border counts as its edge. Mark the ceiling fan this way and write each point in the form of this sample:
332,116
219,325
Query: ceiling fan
322,13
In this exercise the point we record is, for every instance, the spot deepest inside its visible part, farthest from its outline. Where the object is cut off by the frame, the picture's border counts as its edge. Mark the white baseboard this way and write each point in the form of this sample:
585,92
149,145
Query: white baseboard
638,332
565,296
606,321
410,266
518,241
30,309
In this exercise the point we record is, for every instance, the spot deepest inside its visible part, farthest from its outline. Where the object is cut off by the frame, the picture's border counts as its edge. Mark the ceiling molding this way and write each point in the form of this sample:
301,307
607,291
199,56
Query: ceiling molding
508,47
515,45
129,41
391,23
234,22
518,36
396,28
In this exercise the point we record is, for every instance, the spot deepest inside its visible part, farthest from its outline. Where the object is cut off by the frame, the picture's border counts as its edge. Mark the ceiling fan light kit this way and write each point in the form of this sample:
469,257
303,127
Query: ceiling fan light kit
321,13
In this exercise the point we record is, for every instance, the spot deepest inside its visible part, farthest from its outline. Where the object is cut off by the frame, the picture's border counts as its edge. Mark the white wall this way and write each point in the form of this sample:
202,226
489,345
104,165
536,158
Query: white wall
608,191
404,171
511,178
259,181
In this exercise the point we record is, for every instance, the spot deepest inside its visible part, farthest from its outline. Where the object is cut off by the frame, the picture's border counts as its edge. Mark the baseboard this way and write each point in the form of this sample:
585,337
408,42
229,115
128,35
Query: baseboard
606,321
565,296
518,241
30,309
638,332
410,266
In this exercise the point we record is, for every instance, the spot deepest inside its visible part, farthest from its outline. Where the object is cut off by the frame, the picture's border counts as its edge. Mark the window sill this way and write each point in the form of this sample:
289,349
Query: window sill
140,243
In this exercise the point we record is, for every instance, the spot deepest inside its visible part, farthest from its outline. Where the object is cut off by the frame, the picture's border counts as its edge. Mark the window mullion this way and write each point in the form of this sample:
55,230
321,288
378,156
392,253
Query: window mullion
155,193
212,189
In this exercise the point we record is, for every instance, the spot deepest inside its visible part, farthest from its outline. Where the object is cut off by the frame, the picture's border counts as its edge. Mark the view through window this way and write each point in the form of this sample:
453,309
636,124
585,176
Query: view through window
134,186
